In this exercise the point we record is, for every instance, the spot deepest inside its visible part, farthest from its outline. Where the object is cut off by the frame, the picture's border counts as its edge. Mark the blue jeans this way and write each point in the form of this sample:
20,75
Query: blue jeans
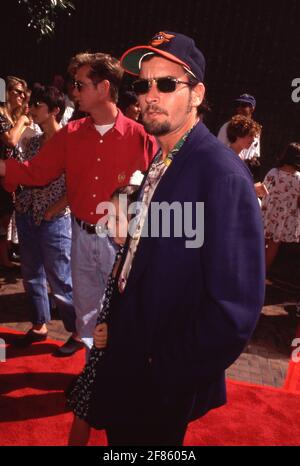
92,261
45,256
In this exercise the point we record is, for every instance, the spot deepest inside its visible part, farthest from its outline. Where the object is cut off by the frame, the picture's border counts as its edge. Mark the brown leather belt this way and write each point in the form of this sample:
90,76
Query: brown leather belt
88,227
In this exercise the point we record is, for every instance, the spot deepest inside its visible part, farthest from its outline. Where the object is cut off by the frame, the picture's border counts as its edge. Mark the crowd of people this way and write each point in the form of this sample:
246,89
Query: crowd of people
160,321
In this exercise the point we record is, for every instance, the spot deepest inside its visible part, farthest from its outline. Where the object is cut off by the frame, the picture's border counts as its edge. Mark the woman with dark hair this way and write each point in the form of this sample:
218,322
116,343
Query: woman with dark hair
13,122
280,208
44,228
129,105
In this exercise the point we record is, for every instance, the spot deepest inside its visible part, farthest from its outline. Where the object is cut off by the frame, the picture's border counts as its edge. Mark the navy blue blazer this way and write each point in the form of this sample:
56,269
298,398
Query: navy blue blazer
187,313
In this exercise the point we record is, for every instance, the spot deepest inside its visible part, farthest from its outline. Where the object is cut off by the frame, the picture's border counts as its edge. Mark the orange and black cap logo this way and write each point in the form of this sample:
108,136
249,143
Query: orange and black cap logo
161,38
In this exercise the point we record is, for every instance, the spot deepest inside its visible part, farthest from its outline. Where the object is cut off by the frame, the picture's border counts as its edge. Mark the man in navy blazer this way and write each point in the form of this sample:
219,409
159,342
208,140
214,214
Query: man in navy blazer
184,307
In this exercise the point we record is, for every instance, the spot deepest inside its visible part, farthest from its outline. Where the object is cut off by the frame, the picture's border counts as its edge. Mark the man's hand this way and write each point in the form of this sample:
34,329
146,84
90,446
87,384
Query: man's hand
100,336
2,168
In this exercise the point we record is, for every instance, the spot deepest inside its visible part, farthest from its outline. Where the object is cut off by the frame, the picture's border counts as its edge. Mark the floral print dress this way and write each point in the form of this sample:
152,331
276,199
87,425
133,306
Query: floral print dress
280,211
78,397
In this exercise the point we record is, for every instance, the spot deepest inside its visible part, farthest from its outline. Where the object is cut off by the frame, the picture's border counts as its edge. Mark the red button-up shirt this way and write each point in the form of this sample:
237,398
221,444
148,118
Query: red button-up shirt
94,165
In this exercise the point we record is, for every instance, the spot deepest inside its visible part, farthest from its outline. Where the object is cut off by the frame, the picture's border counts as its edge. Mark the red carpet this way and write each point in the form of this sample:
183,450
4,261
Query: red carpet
32,407
292,382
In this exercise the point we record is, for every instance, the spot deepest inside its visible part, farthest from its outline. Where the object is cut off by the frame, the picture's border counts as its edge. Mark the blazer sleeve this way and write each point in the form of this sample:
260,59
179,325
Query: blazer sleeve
234,273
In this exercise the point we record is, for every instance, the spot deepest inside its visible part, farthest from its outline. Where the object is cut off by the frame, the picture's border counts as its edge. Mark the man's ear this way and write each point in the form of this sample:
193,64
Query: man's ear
103,88
198,93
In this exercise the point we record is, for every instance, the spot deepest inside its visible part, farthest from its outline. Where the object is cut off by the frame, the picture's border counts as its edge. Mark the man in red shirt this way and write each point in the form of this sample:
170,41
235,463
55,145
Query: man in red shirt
98,154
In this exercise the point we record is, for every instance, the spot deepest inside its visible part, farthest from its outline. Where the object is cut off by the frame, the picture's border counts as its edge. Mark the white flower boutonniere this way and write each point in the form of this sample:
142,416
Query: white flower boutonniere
137,178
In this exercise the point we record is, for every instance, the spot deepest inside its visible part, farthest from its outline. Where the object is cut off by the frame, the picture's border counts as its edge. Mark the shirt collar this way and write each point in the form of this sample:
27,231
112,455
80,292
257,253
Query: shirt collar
120,123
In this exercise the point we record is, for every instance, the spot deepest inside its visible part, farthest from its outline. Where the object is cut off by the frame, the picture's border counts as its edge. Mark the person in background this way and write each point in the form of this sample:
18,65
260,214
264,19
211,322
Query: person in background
58,81
245,105
78,398
204,110
33,129
241,132
13,122
281,207
69,101
30,131
98,154
129,105
44,230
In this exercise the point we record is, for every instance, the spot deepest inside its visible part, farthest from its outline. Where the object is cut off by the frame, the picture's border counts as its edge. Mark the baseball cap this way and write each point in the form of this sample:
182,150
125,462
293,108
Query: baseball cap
176,47
246,99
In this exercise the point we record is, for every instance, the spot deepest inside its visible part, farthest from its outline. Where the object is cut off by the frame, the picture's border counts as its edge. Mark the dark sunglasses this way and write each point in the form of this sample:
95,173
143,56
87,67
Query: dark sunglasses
19,92
78,85
168,84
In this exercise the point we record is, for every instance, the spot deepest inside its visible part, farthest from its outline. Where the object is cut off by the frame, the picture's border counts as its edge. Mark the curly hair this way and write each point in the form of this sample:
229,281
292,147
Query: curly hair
241,126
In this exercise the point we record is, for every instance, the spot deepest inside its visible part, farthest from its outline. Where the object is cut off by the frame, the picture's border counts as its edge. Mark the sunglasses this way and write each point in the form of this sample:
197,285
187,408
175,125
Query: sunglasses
19,92
80,85
168,84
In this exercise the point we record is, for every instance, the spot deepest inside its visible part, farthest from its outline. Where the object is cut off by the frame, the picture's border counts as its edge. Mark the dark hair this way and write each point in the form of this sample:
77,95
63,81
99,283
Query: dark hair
51,96
291,156
130,190
102,66
127,98
241,126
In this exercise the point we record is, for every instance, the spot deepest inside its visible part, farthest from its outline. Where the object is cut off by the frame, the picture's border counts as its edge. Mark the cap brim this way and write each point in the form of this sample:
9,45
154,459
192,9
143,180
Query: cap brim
251,104
130,60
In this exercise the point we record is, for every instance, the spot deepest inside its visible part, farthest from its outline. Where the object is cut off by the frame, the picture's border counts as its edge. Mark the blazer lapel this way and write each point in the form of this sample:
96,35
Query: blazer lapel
165,186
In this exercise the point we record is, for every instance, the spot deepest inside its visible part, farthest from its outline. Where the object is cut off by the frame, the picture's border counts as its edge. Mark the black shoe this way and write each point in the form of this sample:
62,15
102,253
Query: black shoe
14,269
68,348
14,257
29,338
